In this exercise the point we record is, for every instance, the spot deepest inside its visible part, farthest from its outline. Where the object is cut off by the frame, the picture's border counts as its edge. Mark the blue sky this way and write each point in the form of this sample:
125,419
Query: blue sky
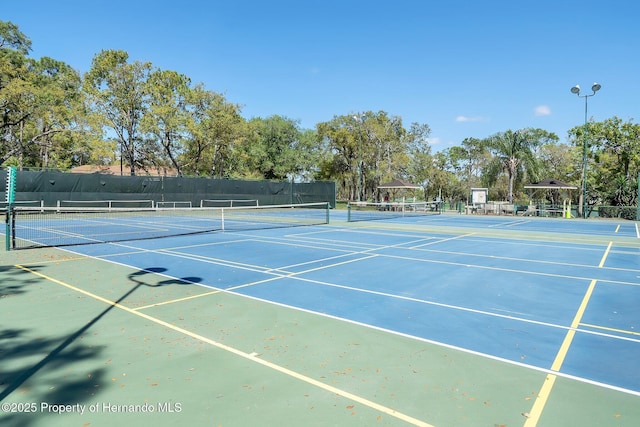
466,68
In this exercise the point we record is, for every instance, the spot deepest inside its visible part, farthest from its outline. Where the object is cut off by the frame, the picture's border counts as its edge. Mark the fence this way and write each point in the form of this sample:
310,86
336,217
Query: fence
49,187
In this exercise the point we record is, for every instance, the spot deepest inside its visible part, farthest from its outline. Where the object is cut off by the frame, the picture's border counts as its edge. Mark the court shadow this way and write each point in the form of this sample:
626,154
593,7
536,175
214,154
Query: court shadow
139,278
57,383
181,281
14,280
56,355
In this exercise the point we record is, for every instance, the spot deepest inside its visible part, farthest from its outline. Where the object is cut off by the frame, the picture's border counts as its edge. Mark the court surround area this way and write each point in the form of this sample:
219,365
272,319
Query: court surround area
429,320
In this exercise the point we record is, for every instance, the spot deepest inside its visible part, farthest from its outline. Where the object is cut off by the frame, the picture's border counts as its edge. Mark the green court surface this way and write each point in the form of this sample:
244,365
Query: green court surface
84,342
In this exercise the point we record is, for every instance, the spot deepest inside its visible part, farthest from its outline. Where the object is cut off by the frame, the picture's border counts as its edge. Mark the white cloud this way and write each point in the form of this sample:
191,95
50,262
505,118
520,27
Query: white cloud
470,119
542,110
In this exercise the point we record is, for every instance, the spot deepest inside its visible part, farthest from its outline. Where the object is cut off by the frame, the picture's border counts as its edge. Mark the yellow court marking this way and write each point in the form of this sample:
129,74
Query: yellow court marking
543,395
604,328
176,300
606,254
217,291
56,261
541,400
249,356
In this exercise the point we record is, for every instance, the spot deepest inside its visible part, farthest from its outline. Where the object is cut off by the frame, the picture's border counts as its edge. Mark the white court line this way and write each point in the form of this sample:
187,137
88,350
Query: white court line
442,240
440,344
510,223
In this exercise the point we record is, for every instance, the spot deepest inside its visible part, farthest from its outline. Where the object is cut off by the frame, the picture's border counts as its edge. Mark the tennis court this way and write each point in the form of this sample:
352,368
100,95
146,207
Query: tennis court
444,320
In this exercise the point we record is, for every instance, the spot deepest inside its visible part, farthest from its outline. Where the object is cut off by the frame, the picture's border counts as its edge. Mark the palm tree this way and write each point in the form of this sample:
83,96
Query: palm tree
515,152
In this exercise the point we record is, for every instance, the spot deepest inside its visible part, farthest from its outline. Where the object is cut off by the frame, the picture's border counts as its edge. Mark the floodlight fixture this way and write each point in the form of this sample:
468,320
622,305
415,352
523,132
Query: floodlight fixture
576,89
596,87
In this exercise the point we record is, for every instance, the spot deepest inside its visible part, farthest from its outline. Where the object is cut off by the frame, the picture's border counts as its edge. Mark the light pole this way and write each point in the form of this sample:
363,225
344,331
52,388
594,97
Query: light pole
576,89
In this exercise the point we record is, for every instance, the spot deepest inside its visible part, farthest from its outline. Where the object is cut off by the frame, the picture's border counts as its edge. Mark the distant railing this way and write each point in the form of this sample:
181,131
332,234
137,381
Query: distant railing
545,210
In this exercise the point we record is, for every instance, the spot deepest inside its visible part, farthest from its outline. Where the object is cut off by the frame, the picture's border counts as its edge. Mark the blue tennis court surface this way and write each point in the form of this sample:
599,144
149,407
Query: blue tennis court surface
452,280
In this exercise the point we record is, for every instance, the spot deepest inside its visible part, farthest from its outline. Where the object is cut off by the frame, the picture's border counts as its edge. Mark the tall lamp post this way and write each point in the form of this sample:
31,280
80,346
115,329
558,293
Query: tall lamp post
576,89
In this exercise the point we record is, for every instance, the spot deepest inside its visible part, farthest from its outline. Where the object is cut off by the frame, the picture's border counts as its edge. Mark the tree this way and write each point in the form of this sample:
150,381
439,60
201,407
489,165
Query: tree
420,166
43,121
275,148
385,154
614,156
117,92
621,140
216,131
343,143
515,154
167,115
311,151
560,161
16,88
444,180
58,129
368,148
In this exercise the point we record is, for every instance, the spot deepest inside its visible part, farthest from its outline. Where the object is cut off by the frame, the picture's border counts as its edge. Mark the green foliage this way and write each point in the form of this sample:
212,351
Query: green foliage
215,131
613,157
272,147
166,117
515,152
369,149
117,93
11,38
43,121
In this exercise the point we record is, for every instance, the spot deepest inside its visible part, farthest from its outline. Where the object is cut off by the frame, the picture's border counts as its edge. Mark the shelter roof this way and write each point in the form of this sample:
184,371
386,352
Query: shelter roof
553,184
398,184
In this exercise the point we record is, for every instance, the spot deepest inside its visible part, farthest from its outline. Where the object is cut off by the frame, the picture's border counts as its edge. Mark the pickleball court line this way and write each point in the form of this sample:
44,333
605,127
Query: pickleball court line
281,273
248,356
547,386
615,330
292,275
545,391
419,249
296,276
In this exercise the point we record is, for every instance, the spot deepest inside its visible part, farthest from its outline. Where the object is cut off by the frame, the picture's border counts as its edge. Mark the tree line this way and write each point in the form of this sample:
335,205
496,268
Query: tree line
146,118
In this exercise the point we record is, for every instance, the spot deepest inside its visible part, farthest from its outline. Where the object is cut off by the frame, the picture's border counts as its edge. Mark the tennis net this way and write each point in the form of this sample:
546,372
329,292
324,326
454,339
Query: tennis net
58,226
368,211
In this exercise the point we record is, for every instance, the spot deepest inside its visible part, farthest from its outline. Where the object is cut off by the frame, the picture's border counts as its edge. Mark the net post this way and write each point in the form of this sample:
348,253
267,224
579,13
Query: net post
348,212
7,234
10,199
638,200
328,209
222,218
13,229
